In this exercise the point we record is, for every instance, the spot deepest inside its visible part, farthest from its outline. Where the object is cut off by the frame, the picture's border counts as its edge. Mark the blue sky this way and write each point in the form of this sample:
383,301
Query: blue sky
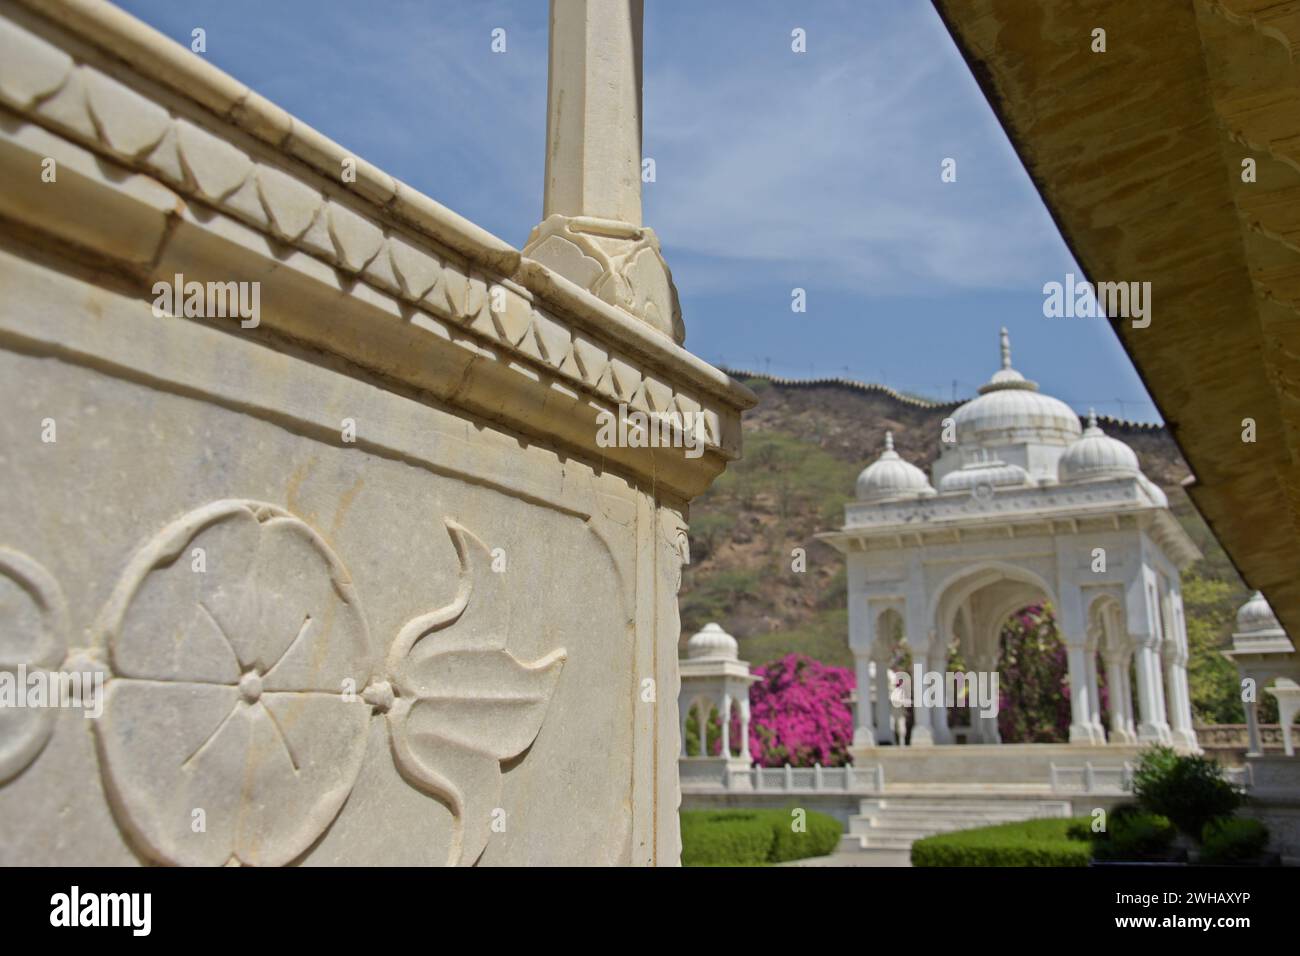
775,170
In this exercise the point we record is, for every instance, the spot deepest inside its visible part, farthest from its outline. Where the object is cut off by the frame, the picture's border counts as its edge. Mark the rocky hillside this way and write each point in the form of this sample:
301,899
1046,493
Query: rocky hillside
804,446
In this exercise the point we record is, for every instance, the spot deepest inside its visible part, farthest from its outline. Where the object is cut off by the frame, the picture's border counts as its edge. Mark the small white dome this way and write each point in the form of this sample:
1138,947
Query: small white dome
712,642
889,476
1010,409
989,473
1154,490
1256,615
1096,455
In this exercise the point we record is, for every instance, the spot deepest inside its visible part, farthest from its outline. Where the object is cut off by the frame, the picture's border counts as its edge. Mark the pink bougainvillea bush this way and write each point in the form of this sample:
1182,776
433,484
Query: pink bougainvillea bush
800,713
1035,680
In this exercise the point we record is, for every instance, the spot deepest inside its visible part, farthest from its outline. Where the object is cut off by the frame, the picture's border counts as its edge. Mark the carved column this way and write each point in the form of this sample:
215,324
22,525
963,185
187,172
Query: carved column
745,750
864,733
591,231
1152,727
1080,719
726,726
1253,748
884,707
1117,686
1094,699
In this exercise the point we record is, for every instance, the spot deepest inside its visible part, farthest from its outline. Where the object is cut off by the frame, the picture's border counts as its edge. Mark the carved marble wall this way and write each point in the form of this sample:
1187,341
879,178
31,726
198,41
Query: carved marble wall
361,586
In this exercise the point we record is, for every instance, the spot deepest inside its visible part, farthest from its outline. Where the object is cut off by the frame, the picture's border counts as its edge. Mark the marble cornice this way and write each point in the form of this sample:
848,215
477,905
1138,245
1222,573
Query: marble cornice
169,165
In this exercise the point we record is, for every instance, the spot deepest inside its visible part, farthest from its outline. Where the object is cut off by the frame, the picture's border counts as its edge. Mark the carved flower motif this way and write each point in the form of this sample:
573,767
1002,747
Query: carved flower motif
235,639
33,629
231,635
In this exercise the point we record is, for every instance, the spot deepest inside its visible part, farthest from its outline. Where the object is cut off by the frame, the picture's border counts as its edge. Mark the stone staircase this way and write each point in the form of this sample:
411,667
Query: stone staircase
893,821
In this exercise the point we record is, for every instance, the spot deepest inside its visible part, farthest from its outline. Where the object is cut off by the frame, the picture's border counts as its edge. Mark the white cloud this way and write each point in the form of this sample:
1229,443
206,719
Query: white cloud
824,167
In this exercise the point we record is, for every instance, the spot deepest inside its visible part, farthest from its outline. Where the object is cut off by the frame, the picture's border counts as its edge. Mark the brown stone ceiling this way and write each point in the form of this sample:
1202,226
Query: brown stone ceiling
1138,155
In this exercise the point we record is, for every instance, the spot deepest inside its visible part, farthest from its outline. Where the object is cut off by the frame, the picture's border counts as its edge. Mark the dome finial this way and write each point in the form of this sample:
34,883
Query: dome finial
889,441
1006,348
1092,418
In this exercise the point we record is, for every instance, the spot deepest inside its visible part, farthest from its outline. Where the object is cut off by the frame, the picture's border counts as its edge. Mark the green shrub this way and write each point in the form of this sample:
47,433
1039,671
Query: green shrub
1027,843
1079,830
1133,835
727,838
821,837
754,837
1189,790
1233,840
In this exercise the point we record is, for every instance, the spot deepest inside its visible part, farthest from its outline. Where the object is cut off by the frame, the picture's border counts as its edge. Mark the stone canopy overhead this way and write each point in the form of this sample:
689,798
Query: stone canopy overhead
1173,157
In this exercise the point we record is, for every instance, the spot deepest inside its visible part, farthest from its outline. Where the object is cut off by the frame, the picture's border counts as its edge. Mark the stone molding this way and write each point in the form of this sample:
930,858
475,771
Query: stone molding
251,190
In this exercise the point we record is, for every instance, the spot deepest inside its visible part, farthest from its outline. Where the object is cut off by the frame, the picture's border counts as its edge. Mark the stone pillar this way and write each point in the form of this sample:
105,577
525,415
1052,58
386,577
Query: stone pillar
1180,704
593,119
988,726
702,719
726,725
942,732
1180,698
864,732
1126,672
884,706
1253,748
1288,705
591,230
1152,726
1094,699
1080,720
1117,683
745,750
1162,700
922,719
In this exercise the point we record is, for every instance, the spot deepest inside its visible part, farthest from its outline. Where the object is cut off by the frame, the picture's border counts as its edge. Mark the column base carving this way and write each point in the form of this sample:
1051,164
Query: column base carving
620,263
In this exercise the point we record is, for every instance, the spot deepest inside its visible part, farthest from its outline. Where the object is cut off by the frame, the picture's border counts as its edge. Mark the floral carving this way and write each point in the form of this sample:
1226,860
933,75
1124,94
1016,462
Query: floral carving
244,681
231,636
465,703
33,632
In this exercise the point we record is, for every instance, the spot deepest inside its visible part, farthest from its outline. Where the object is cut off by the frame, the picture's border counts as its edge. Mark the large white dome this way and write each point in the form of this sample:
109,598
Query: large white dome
1011,409
1097,455
889,476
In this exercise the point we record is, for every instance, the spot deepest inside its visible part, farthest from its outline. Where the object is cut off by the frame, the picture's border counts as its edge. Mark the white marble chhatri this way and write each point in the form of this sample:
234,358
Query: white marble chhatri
1025,505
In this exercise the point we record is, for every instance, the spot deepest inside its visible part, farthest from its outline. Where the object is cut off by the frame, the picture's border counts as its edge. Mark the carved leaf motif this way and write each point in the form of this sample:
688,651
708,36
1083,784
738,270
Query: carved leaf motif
465,703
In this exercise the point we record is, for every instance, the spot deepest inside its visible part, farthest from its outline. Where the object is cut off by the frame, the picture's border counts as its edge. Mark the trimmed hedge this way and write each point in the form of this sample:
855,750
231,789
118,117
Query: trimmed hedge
1233,840
1134,836
1027,843
754,837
